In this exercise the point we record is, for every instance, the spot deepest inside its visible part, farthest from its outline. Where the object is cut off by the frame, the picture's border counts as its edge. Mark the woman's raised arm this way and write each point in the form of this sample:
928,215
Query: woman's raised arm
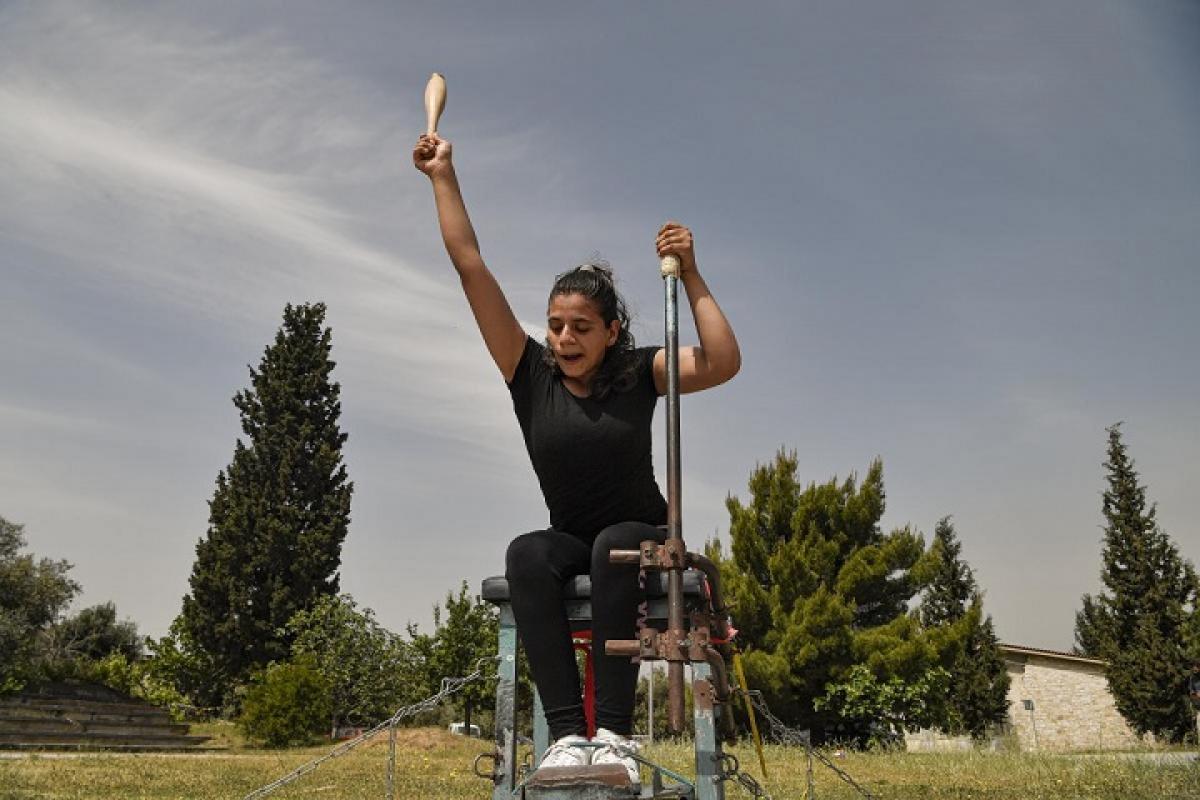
503,335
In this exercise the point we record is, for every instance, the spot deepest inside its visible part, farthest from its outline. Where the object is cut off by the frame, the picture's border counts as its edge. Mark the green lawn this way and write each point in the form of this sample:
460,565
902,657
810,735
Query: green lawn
434,764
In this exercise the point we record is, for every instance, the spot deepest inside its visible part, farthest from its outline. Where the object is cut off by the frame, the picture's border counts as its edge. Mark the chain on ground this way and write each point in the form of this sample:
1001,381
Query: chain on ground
449,687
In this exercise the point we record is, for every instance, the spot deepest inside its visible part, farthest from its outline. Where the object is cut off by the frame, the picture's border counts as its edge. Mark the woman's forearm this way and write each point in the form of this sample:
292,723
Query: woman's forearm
457,231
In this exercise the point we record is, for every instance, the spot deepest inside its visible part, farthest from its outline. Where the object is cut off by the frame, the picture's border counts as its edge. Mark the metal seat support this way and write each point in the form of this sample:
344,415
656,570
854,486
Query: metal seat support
506,773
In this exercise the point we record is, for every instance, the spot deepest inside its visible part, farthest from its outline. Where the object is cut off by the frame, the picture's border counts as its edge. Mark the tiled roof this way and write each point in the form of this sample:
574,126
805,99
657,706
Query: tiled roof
1037,651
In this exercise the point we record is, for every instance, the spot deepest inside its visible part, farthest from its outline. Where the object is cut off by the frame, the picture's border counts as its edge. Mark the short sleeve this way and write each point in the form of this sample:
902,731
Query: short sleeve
531,361
646,367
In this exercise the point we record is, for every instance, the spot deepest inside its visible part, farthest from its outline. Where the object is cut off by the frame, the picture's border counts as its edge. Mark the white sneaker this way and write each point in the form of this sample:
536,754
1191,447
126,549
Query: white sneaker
567,752
617,750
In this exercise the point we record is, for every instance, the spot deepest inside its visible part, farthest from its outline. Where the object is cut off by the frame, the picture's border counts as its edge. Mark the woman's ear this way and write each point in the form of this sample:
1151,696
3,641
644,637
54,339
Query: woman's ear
614,331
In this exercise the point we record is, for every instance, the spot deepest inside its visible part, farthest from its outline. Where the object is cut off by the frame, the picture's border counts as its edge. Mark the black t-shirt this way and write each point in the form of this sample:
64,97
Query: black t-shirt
592,457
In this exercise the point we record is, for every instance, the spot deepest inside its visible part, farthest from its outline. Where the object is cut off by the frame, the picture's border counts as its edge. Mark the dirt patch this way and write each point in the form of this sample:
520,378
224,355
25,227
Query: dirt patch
418,739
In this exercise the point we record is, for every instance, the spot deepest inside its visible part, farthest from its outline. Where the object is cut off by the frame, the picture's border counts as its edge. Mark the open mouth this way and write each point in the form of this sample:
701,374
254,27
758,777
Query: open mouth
574,358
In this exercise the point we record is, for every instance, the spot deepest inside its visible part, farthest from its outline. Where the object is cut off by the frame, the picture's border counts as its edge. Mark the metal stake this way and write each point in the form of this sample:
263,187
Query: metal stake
391,766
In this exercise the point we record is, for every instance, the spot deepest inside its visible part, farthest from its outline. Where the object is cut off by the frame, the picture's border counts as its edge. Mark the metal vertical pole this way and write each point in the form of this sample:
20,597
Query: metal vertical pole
506,707
541,730
709,783
650,709
670,272
391,767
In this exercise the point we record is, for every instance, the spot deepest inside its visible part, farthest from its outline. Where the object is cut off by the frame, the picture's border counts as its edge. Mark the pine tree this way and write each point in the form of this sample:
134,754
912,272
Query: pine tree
280,511
952,611
818,588
1140,623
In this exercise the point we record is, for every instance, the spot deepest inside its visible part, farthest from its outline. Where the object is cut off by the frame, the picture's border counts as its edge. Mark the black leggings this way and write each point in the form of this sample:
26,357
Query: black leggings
538,565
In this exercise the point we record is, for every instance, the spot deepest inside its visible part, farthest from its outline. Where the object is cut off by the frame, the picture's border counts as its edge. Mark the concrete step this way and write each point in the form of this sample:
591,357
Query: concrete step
76,716
68,705
155,717
108,748
67,725
78,741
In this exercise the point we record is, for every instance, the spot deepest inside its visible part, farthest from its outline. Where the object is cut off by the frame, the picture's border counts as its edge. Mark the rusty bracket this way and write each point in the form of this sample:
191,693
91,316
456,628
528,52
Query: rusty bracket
655,645
649,555
698,642
675,644
674,554
648,639
652,555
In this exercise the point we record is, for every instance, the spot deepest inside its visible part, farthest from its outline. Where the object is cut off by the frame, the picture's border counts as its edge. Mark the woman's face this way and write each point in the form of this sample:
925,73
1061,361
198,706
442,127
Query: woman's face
578,336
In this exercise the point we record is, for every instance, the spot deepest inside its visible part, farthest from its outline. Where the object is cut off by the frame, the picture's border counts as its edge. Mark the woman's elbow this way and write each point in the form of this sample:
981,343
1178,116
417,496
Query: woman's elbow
729,366
736,366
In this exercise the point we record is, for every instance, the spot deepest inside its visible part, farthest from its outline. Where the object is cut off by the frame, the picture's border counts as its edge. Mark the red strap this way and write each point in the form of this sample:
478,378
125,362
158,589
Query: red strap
589,681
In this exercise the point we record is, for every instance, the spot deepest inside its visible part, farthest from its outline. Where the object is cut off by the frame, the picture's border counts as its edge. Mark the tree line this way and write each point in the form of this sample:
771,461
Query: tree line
850,631
39,641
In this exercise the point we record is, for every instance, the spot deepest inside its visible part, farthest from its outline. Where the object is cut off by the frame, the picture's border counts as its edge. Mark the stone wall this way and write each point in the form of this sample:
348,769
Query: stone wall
928,740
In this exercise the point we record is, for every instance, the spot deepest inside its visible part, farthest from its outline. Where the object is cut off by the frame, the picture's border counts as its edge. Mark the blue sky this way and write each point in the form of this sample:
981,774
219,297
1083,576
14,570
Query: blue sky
960,236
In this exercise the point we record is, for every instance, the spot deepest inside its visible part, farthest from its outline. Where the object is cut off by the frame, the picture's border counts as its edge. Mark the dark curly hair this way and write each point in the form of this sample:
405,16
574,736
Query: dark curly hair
594,280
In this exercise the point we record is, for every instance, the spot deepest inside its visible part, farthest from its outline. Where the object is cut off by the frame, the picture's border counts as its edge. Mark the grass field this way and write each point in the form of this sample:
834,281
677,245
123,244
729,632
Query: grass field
436,765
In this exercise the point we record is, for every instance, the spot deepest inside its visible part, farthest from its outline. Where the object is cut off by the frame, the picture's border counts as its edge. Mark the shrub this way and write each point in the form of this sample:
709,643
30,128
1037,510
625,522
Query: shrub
370,669
134,678
287,704
877,712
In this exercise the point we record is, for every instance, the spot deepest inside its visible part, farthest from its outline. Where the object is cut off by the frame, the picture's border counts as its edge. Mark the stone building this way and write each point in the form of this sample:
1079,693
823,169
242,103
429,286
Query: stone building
1060,701
1056,702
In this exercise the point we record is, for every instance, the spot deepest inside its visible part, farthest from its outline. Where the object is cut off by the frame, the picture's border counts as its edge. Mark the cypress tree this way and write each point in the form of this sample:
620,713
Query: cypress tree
951,584
979,681
1140,622
818,587
280,511
952,610
1090,631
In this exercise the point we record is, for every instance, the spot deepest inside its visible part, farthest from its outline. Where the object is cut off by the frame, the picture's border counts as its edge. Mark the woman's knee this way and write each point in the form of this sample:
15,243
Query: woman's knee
545,555
526,557
622,536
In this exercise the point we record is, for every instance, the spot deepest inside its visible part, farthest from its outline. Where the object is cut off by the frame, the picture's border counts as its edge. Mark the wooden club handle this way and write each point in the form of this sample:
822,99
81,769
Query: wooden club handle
435,102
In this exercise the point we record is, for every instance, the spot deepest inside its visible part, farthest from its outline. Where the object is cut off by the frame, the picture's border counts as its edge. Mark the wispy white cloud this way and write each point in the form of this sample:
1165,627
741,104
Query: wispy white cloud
44,420
208,175
62,155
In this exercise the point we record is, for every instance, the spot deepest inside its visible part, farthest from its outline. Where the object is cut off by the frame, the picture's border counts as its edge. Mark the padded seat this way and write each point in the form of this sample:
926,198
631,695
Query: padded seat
577,596
495,589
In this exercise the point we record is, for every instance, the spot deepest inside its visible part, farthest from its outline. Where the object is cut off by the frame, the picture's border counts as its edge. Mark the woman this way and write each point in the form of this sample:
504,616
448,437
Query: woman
584,401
